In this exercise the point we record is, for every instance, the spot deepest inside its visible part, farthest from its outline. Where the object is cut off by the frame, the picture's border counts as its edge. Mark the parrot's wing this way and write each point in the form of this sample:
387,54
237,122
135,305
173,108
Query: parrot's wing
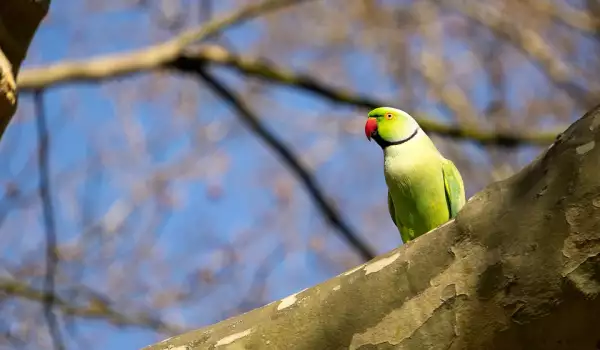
406,233
455,190
391,208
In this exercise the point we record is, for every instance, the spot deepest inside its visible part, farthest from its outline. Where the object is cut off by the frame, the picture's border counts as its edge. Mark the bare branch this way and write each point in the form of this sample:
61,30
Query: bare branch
533,45
117,65
287,155
152,57
96,308
269,72
49,224
566,14
434,67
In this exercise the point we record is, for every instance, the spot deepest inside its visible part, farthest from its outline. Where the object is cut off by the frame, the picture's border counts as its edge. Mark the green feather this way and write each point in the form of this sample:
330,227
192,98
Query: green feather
391,208
455,191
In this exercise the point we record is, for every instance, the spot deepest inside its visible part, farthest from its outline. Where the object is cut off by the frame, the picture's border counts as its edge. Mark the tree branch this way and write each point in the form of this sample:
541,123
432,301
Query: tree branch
19,19
563,12
114,66
433,66
517,268
533,46
49,224
286,154
150,58
96,309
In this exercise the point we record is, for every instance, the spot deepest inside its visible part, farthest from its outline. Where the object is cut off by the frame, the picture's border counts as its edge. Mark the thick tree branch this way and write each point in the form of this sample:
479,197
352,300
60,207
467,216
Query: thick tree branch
19,19
95,309
118,65
518,268
288,157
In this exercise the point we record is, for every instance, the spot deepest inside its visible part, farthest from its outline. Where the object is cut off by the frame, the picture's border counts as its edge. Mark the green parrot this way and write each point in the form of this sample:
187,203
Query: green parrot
425,189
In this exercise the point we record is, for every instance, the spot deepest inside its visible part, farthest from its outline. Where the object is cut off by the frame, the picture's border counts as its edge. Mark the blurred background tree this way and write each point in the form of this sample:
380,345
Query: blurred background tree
179,184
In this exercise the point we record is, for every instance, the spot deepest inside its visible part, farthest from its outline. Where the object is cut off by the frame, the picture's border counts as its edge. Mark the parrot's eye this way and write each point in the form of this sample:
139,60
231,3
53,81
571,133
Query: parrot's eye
389,116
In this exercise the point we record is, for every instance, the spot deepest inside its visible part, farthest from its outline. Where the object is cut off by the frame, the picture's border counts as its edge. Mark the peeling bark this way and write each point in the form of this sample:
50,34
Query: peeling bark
19,19
519,268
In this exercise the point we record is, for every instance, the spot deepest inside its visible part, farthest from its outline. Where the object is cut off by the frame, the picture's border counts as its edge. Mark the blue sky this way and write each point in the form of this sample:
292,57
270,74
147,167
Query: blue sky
86,122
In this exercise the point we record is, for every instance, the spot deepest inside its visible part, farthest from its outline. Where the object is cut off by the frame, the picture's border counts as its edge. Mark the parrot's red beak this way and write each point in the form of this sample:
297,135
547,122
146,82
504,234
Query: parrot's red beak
370,127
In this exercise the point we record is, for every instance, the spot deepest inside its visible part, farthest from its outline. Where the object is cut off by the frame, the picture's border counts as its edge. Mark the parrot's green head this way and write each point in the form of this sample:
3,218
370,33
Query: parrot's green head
390,126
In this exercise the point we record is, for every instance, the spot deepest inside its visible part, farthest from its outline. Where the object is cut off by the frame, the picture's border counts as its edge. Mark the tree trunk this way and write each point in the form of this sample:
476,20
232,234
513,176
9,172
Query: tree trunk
19,19
519,268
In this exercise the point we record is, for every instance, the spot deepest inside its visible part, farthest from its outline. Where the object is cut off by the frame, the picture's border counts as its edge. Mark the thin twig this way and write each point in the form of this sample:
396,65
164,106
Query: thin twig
259,282
97,309
49,224
434,69
564,13
290,159
560,72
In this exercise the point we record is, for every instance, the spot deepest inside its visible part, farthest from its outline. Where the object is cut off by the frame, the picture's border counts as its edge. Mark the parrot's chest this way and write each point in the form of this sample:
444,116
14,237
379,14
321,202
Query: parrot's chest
411,166
417,189
414,178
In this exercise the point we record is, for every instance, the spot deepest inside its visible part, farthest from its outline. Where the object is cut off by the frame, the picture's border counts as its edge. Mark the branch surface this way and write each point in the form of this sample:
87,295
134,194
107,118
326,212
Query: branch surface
19,19
517,269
